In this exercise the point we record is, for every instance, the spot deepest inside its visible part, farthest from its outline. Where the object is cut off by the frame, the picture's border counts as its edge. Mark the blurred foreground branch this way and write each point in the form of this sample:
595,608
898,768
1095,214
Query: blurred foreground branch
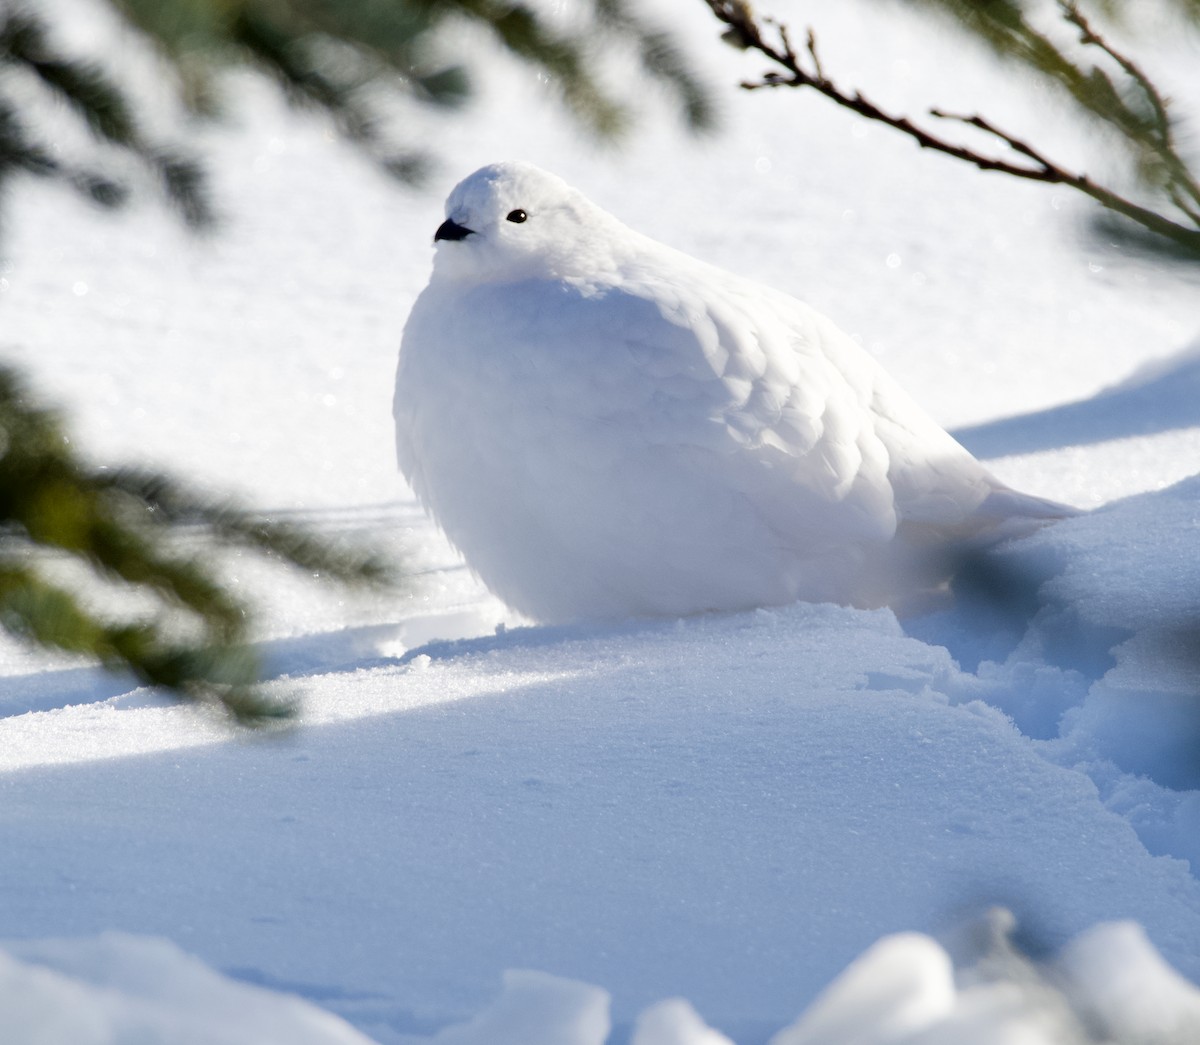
178,627
35,77
1121,97
360,62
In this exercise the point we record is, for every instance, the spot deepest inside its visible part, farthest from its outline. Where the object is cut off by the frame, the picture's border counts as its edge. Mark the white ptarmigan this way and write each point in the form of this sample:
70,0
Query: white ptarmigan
606,427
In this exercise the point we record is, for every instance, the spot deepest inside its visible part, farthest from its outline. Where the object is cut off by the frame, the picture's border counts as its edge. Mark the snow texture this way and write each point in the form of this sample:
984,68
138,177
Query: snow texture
670,831
115,988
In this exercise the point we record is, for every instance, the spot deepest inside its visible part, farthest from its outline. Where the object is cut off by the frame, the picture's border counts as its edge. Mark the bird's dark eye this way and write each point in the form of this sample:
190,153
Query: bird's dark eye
517,216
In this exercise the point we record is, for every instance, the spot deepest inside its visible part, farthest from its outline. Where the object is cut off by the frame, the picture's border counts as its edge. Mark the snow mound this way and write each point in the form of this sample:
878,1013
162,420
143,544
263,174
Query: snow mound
1109,984
1119,980
118,989
900,985
536,1009
674,1022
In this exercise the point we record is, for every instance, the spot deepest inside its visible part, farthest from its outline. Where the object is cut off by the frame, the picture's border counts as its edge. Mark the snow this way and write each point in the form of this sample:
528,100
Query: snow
1126,988
119,988
685,831
1107,985
538,1009
901,984
673,1021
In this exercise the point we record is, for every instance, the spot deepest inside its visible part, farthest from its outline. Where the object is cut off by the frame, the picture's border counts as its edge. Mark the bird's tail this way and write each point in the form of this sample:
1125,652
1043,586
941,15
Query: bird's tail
1003,502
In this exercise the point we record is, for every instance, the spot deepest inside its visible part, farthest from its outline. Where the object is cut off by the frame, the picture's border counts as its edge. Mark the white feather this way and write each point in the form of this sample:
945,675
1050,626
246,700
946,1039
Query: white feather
606,427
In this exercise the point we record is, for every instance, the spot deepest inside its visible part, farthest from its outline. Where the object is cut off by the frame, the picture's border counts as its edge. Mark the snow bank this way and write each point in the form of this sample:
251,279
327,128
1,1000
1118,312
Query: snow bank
536,1009
116,989
1108,983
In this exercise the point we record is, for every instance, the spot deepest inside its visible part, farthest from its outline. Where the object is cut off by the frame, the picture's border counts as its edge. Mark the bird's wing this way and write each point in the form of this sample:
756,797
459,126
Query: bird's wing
799,396
741,378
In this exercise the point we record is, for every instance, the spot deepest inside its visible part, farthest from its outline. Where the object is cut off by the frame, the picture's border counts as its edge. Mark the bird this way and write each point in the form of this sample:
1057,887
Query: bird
607,428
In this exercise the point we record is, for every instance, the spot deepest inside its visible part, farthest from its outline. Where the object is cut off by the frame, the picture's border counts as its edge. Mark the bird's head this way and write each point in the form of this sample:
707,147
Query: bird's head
513,221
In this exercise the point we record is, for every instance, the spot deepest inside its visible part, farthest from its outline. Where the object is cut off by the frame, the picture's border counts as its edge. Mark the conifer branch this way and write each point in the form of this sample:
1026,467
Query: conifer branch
1181,180
660,59
124,527
347,59
1152,139
25,47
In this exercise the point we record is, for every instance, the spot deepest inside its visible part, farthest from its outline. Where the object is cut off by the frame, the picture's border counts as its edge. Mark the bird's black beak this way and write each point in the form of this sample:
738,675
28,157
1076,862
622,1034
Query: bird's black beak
450,230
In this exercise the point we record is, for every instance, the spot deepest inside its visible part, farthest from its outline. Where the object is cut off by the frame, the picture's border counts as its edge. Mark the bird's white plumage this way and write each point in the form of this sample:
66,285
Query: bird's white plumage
606,427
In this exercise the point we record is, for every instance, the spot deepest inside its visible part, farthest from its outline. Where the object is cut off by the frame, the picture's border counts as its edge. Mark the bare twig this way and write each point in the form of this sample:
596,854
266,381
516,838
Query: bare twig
744,29
1051,173
816,58
1180,177
1091,38
1184,205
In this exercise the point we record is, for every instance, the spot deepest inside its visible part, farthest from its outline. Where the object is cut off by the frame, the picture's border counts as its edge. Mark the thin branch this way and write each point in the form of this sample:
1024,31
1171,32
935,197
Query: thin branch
1184,205
744,31
816,58
748,35
1181,177
1051,173
1090,38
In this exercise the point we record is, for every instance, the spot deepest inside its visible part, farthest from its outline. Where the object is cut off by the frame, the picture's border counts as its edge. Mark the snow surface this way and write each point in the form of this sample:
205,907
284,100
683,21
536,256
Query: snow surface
676,829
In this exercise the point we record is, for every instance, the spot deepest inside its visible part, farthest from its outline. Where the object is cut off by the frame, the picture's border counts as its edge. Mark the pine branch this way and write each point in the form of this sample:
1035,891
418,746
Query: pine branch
525,35
25,46
289,59
745,31
1181,180
185,183
661,59
18,152
1047,171
124,528
81,84
222,676
173,505
1091,38
346,59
